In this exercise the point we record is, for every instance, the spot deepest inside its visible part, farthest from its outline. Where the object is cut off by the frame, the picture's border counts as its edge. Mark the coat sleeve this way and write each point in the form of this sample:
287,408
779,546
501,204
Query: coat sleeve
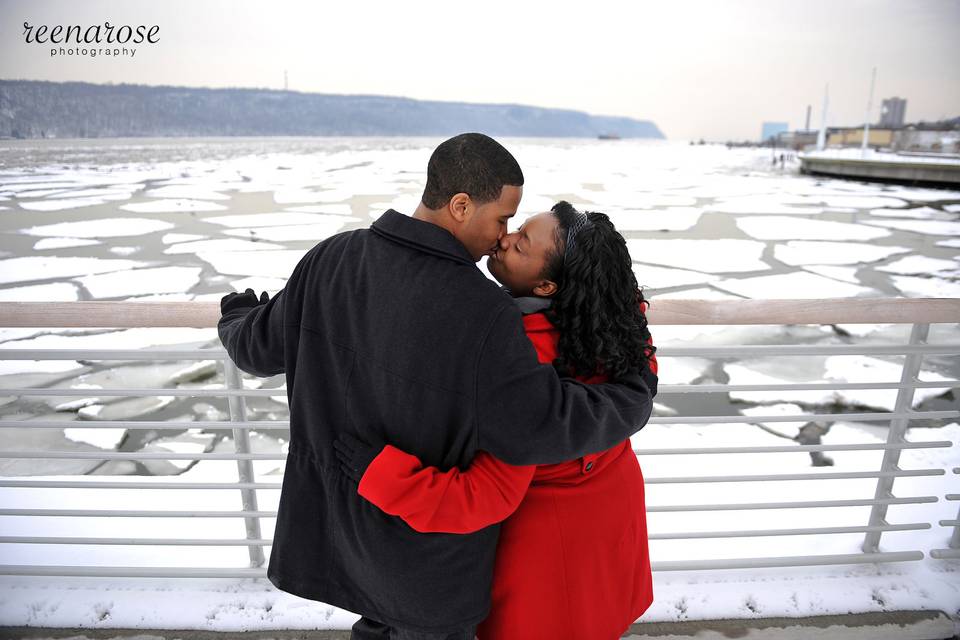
454,501
526,414
253,337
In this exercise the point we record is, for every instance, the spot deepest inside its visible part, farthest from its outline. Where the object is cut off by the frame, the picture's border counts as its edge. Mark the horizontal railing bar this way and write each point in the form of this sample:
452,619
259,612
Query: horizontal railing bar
814,386
790,561
155,455
728,351
103,314
798,448
145,424
137,393
132,572
751,506
666,388
953,496
759,533
135,455
95,513
242,542
94,484
678,565
945,554
159,542
739,351
950,523
85,484
844,475
113,354
119,513
285,424
808,417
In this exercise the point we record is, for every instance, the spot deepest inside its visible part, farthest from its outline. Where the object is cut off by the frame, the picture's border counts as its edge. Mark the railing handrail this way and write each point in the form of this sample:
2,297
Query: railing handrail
116,314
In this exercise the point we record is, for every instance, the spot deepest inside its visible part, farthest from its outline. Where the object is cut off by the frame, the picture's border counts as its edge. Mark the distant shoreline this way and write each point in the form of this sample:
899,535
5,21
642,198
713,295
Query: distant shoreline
41,109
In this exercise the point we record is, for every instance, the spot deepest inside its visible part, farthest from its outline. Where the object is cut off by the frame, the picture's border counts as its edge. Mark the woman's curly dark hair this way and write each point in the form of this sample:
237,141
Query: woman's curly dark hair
597,304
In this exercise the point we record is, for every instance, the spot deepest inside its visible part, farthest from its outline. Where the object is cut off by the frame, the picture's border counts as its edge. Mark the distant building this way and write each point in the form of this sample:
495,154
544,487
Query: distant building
936,137
853,137
772,130
798,140
892,112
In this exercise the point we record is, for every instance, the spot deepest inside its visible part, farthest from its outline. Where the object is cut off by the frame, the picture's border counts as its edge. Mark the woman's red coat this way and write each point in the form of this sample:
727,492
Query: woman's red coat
572,561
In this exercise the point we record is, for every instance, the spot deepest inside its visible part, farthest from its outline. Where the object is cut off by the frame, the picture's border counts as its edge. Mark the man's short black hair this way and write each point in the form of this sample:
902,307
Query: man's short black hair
470,163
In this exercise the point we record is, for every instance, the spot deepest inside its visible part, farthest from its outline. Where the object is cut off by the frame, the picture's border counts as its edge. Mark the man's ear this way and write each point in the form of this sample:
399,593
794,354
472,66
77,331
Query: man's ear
460,207
545,289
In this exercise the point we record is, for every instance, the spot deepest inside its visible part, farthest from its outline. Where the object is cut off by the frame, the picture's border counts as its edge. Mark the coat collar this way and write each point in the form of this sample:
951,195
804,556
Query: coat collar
531,304
422,236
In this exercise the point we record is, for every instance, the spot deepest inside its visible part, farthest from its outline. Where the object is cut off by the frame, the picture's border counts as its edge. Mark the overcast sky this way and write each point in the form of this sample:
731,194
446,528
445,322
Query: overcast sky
715,69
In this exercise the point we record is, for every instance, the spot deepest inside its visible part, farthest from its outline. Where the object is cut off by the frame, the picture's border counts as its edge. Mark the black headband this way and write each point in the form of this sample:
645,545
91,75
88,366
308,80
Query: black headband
582,222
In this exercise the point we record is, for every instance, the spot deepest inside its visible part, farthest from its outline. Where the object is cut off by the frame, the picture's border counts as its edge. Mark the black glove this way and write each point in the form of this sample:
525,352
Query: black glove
247,299
355,455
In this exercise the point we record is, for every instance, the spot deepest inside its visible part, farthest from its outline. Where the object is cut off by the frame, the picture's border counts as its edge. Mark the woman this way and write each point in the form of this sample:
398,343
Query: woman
572,561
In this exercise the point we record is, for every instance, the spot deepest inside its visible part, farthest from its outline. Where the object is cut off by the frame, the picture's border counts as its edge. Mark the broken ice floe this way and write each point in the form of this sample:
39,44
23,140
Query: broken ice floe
275,219
702,293
62,243
221,244
140,281
278,264
763,205
662,277
818,369
190,441
27,268
801,253
125,409
31,439
792,285
926,287
329,209
101,438
671,219
53,292
308,232
923,213
913,265
843,274
100,228
926,227
175,205
791,228
711,256
183,191
59,205
271,285
173,238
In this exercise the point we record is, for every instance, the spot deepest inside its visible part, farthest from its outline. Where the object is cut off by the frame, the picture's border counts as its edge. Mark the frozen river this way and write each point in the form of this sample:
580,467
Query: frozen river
192,219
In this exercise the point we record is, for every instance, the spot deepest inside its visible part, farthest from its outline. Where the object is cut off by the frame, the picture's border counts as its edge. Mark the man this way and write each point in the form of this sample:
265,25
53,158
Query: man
393,334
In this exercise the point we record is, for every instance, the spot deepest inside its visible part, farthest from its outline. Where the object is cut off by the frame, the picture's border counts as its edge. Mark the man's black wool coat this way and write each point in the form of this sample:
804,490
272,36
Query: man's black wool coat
393,334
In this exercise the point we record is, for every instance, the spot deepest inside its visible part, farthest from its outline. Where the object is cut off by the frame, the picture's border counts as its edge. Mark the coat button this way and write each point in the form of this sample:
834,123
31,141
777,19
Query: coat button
589,467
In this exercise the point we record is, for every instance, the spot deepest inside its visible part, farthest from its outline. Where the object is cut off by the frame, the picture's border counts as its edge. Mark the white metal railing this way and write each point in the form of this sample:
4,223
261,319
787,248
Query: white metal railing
920,313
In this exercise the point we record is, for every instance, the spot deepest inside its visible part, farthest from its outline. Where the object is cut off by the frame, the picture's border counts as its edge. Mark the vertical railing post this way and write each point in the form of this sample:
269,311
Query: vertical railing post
241,440
895,435
955,538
